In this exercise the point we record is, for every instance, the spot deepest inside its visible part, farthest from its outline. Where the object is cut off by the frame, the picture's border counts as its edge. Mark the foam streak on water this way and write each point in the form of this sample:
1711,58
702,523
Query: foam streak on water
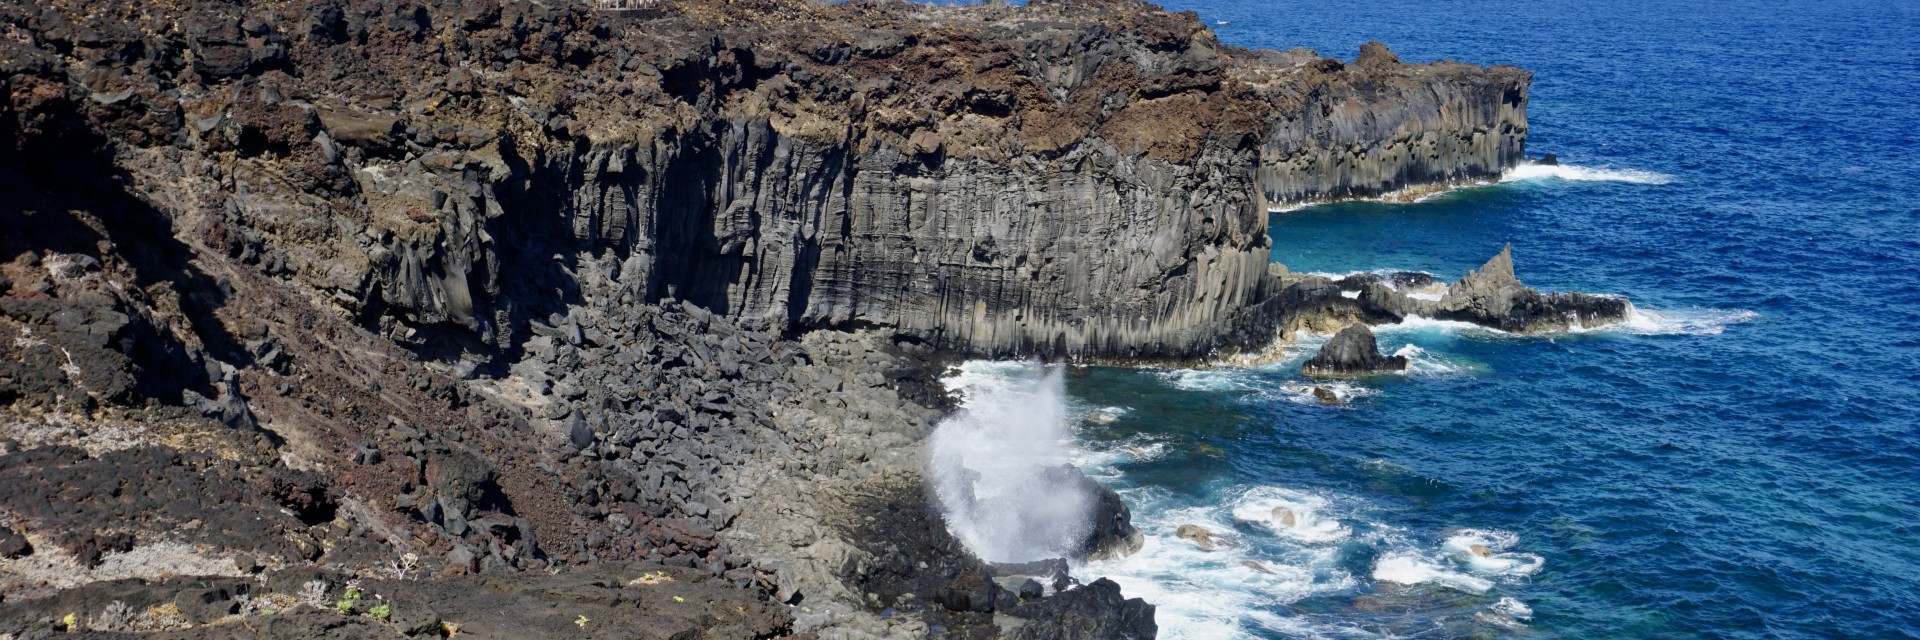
1572,173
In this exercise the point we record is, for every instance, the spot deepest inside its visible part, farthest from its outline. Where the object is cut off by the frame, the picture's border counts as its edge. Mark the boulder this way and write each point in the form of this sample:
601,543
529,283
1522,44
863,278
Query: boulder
1200,536
1096,610
13,545
206,604
1109,531
969,592
1353,351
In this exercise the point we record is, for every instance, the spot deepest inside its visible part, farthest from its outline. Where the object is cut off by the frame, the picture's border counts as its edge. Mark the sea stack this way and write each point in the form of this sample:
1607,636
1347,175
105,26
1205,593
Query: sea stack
1493,297
1353,351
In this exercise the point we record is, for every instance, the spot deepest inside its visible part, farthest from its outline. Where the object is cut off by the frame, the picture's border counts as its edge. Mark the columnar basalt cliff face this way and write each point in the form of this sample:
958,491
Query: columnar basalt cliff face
1396,126
1081,179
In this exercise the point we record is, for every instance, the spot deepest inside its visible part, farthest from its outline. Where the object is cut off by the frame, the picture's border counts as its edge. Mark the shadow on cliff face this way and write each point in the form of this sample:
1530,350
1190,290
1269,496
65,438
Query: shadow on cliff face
67,212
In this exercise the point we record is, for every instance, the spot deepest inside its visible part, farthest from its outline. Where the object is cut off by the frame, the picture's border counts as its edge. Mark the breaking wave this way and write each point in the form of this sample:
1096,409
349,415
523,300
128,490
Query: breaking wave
1573,173
986,460
1419,193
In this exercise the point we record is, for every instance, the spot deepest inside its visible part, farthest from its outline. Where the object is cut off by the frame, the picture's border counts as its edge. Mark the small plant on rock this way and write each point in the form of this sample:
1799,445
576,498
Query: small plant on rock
405,565
382,612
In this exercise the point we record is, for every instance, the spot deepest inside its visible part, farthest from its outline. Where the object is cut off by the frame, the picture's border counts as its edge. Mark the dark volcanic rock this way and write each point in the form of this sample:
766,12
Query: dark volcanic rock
1352,351
13,545
1108,532
1096,610
1492,297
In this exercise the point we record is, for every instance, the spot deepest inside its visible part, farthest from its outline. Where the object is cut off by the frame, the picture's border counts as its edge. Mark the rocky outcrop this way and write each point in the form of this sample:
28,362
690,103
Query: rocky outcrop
1395,129
1093,611
1491,296
1353,351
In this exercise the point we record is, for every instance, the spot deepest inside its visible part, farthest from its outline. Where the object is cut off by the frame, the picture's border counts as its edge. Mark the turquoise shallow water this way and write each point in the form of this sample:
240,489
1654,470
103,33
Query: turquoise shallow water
1744,463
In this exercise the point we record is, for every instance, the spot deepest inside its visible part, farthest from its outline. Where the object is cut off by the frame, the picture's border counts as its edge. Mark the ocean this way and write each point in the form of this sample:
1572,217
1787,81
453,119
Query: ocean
1740,461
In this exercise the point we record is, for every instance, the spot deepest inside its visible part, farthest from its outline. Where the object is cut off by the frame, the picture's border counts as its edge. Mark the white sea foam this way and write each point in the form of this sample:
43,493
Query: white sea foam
1214,379
1693,321
1202,594
1421,362
1573,173
1513,609
1522,173
1414,323
1343,392
1261,507
1407,568
1104,462
1107,415
1500,562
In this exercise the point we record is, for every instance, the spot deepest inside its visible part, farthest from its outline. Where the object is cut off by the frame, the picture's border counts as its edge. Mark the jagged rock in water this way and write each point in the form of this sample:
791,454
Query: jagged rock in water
1492,297
1353,351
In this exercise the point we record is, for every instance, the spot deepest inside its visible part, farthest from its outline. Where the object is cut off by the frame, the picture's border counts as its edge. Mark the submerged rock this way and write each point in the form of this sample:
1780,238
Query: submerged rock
1353,351
1199,535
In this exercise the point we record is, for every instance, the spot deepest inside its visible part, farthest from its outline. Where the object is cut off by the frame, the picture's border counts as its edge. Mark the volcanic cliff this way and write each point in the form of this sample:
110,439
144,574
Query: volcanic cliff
578,307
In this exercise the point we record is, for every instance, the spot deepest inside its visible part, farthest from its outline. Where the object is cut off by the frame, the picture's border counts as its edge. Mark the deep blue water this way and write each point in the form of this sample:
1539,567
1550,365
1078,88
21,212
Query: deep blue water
1744,464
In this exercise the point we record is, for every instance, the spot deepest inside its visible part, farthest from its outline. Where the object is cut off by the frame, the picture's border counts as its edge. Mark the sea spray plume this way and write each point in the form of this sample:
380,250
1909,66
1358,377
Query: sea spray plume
990,465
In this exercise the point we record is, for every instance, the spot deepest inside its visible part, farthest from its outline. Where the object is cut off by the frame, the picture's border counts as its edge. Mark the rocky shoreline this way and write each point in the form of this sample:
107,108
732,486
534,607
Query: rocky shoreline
542,318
